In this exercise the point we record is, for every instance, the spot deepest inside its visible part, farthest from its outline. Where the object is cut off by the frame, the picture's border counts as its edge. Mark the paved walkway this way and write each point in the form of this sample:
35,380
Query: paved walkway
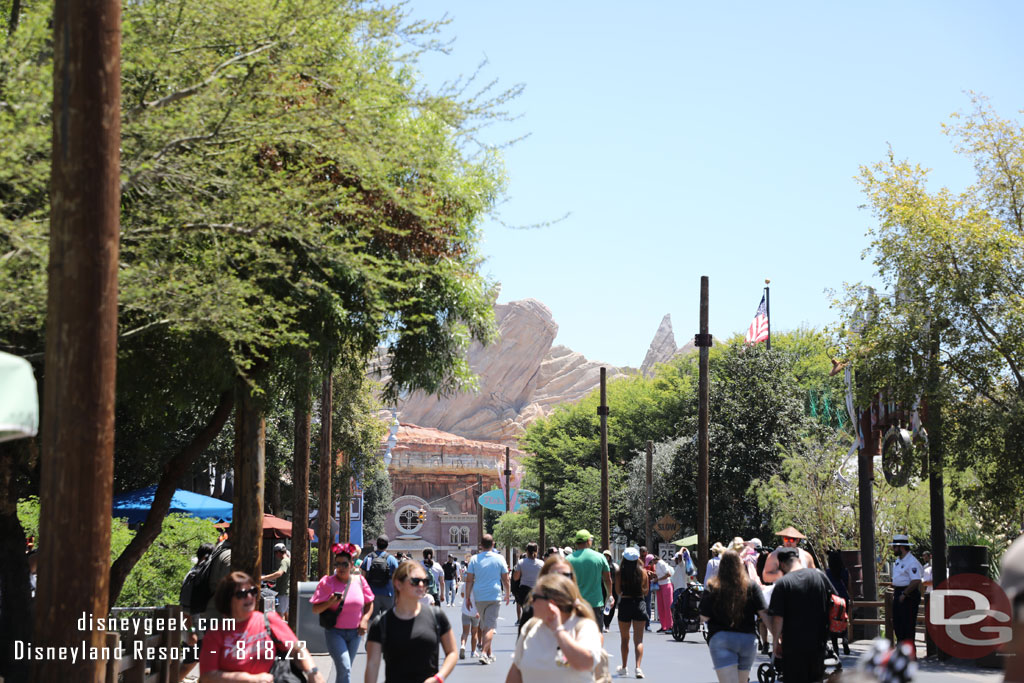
664,659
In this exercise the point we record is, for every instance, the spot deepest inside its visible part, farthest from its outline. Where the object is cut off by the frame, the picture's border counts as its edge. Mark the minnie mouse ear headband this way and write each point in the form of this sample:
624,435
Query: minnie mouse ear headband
346,548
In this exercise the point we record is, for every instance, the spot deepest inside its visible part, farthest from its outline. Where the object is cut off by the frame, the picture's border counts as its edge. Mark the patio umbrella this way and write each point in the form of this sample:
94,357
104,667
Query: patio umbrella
135,505
19,399
689,540
275,527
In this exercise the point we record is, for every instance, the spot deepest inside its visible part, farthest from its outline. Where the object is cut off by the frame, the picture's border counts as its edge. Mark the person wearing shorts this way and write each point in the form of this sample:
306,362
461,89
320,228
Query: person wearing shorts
729,606
631,585
470,627
487,578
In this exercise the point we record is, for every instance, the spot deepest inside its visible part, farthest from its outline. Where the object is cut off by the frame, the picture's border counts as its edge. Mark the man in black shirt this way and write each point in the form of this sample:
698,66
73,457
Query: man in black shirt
799,608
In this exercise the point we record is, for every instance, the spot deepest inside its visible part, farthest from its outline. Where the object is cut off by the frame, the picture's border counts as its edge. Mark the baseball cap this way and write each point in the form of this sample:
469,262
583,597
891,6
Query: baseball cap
1011,576
755,543
630,554
900,539
582,536
280,547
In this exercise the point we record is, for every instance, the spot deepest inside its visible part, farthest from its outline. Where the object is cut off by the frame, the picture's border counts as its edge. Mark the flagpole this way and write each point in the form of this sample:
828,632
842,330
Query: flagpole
768,313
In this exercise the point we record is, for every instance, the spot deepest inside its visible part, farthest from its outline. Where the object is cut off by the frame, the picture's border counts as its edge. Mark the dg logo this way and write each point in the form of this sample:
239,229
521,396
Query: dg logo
968,616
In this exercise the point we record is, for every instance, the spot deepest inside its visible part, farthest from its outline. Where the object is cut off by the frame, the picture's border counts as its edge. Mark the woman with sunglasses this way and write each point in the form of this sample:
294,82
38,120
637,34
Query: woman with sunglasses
245,645
632,584
407,635
562,642
344,602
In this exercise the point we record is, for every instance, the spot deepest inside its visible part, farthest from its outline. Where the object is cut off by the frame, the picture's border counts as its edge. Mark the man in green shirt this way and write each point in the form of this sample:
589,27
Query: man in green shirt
281,578
592,571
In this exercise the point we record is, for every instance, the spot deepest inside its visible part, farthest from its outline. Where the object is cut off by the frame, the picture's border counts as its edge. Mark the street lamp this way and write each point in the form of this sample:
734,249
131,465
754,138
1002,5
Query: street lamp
392,437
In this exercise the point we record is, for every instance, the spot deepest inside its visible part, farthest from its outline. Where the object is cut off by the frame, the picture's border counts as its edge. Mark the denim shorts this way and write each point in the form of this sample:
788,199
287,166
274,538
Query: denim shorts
729,648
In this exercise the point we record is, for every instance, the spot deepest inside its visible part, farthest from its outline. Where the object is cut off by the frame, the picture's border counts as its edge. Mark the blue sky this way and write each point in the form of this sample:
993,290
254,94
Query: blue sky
717,139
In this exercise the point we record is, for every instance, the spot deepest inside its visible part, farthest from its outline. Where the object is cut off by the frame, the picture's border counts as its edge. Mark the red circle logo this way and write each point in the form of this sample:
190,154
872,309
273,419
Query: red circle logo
968,616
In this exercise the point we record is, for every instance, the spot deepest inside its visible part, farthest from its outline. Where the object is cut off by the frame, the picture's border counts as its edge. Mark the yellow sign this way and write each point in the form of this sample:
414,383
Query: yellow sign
667,527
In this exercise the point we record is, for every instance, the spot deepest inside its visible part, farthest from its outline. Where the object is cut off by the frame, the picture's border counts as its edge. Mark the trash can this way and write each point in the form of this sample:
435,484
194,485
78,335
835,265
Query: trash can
307,624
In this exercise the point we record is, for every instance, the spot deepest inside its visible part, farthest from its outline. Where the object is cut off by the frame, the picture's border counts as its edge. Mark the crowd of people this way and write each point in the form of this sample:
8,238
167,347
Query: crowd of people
565,598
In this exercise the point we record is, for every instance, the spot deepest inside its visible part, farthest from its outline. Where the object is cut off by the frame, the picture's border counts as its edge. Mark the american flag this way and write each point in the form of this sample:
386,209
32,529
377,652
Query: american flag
758,331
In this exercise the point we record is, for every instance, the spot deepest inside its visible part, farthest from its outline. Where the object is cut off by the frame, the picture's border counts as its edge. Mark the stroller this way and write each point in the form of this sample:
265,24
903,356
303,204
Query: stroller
772,671
686,612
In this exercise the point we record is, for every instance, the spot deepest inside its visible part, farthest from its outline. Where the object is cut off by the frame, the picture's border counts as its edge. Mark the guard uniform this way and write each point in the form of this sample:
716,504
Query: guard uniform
904,612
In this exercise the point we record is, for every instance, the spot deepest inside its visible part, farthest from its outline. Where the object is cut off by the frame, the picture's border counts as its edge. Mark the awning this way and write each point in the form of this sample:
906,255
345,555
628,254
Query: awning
135,505
19,399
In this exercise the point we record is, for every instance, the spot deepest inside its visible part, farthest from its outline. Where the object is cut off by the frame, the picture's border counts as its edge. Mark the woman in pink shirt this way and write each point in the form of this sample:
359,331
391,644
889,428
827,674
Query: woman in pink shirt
344,602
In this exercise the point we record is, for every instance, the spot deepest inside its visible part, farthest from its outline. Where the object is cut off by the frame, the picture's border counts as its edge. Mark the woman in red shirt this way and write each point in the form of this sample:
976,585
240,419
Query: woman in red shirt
241,648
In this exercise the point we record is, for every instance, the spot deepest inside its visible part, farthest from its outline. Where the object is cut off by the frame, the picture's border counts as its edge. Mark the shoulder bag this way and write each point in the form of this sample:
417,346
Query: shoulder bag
284,670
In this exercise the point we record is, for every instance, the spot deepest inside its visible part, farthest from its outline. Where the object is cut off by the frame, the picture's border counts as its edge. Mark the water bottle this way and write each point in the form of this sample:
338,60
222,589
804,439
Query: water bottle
607,609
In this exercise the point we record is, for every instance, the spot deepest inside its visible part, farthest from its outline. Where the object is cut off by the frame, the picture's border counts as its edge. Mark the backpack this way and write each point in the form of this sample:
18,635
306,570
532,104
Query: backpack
379,573
432,586
838,618
195,591
189,586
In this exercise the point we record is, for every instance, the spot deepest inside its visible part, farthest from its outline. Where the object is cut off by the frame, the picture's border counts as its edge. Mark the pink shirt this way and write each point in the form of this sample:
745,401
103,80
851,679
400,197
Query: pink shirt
359,594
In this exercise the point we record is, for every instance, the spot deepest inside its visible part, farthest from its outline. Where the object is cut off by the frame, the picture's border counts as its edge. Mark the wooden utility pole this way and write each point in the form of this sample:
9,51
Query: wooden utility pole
602,411
703,342
936,450
508,500
543,530
300,480
250,476
324,536
77,466
479,510
650,495
865,481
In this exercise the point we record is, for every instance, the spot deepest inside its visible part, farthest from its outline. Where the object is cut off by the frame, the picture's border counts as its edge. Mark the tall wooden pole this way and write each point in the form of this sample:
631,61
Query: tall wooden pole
936,450
703,341
508,500
602,411
479,510
300,479
543,530
325,539
865,503
250,477
81,334
650,495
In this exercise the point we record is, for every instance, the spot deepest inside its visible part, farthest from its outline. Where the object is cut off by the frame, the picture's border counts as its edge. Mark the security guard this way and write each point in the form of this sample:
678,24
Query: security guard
906,583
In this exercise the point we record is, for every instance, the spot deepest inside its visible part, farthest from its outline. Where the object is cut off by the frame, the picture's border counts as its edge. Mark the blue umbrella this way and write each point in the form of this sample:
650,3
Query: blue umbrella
135,505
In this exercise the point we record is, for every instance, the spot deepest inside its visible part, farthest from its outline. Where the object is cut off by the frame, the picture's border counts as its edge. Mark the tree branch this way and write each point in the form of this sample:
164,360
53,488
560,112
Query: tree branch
197,87
174,470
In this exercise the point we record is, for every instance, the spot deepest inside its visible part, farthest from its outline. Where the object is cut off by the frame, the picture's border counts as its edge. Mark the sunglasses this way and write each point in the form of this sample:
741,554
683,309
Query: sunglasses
539,596
243,594
342,564
567,575
417,581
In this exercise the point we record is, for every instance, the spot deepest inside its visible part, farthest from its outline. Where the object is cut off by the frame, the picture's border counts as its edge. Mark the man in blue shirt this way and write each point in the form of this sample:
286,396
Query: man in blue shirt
378,568
486,580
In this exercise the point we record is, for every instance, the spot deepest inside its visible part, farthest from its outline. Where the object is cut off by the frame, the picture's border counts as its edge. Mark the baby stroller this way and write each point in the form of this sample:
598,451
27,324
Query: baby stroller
686,612
772,671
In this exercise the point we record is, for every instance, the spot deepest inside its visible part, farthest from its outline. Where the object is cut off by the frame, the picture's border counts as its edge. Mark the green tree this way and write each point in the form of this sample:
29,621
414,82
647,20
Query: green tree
515,530
948,324
286,183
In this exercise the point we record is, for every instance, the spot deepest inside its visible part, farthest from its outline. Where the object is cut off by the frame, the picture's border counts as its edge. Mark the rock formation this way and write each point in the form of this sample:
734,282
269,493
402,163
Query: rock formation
521,378
662,349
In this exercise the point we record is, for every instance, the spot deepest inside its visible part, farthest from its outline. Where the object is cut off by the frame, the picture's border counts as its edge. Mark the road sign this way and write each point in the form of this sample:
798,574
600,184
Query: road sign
667,527
667,551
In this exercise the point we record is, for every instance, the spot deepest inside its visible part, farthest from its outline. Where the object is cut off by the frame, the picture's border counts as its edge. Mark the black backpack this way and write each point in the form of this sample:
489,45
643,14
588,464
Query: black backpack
432,587
379,573
195,591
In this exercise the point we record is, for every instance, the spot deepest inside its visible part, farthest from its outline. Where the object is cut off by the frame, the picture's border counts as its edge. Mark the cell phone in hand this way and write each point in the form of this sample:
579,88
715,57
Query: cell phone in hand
337,595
